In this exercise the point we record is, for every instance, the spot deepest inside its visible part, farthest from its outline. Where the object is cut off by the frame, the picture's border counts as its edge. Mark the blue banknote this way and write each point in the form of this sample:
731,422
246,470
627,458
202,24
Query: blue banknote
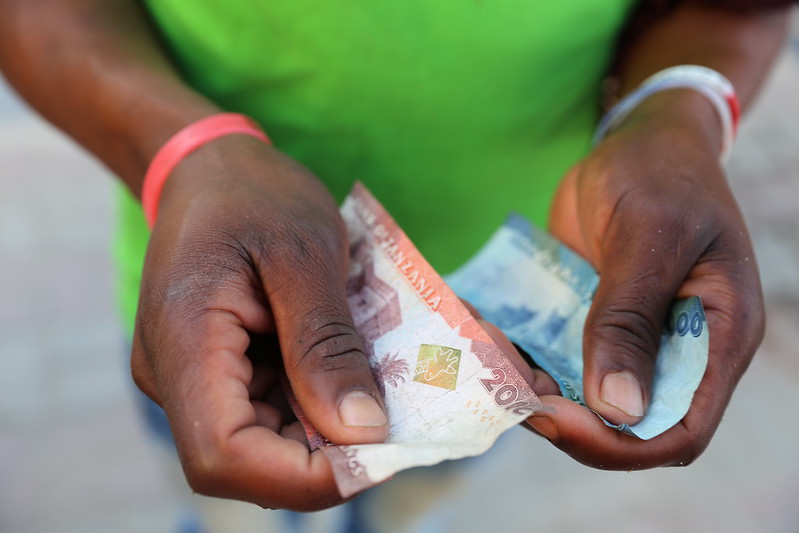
539,292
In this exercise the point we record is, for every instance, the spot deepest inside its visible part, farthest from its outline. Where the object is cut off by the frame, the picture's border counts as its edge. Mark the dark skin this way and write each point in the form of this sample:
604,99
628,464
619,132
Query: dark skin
246,266
657,184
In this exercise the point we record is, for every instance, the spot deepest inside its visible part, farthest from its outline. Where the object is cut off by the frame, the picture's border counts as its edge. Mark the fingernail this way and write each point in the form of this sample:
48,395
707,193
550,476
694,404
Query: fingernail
623,391
545,426
360,409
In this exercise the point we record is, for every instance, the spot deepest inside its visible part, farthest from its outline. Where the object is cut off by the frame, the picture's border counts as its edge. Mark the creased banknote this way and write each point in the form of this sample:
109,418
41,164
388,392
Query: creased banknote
538,292
449,390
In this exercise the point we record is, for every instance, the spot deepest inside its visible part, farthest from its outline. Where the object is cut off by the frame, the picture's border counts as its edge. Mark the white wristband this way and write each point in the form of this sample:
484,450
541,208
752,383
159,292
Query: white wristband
715,87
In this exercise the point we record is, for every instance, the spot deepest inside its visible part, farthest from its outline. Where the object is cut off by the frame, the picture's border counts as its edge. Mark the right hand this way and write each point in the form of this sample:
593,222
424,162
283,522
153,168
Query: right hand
249,249
652,210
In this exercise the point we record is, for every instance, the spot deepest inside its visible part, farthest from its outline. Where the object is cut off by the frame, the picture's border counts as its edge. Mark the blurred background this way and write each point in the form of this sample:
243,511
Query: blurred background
74,456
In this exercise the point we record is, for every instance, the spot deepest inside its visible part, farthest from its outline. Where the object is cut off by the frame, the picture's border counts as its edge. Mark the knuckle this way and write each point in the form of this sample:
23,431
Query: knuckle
304,241
654,209
691,449
141,377
632,331
186,289
205,471
690,454
329,342
203,270
757,329
200,480
316,239
141,369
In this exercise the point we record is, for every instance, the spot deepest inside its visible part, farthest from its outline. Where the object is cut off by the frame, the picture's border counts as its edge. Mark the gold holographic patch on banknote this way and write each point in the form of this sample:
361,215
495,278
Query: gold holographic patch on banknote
437,366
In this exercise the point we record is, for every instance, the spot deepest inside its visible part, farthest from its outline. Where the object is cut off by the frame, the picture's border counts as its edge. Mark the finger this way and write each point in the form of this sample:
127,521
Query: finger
735,316
324,357
541,382
642,267
192,340
264,354
228,444
581,434
267,416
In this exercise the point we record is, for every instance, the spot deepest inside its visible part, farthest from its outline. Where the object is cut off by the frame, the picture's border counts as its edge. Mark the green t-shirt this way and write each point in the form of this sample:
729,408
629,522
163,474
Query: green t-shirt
453,113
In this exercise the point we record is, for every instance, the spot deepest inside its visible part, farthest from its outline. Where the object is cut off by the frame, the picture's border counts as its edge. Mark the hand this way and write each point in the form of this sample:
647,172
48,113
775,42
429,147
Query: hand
652,211
245,277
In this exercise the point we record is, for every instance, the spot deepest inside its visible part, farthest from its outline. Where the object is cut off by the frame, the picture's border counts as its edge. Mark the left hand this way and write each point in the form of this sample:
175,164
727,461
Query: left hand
651,209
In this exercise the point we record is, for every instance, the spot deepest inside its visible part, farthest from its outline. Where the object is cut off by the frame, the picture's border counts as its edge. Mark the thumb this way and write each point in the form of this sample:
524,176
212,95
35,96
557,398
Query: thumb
641,271
324,357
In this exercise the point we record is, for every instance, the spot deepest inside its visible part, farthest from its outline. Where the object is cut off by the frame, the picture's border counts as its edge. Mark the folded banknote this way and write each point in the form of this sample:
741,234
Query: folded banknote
449,391
538,292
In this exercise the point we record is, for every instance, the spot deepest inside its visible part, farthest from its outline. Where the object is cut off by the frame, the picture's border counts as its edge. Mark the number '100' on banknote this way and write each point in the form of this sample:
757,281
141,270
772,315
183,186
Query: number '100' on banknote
538,292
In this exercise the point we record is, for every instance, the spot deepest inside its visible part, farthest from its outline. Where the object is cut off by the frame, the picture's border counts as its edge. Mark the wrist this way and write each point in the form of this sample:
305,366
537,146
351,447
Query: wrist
683,113
182,145
710,84
215,171
144,128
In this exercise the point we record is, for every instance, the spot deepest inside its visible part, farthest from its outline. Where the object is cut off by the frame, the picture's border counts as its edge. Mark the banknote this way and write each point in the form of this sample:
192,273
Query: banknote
538,292
449,391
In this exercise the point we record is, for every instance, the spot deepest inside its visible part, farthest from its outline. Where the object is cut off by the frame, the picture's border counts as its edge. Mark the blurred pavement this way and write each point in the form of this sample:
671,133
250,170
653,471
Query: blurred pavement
73,457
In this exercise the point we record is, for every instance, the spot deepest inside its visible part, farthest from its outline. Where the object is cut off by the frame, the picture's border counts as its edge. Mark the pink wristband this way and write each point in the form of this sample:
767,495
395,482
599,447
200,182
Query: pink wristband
182,144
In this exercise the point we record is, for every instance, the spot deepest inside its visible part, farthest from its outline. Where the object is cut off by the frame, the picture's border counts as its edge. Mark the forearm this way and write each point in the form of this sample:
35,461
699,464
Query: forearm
741,44
94,68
